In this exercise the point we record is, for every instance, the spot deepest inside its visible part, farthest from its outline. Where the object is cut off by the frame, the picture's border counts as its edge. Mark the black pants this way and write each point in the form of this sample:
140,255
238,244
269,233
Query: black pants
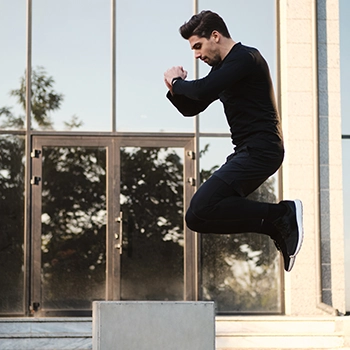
220,206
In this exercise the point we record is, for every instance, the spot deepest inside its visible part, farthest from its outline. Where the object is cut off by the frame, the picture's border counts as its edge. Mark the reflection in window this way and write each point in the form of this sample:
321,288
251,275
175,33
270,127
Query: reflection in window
71,39
152,45
11,224
346,203
13,47
242,23
152,205
73,240
241,272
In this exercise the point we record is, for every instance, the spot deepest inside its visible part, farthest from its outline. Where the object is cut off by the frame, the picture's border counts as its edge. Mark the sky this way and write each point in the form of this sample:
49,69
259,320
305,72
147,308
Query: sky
71,40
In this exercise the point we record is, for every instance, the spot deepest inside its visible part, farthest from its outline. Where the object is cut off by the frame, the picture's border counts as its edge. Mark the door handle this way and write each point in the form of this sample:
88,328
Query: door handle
120,235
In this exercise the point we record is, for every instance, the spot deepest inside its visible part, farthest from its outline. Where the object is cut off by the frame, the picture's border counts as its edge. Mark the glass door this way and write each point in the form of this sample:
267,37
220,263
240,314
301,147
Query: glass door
108,221
73,223
158,260
151,201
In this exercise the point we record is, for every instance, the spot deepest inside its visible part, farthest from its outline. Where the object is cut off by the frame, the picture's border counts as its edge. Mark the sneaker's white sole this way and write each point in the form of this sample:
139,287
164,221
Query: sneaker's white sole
299,217
291,263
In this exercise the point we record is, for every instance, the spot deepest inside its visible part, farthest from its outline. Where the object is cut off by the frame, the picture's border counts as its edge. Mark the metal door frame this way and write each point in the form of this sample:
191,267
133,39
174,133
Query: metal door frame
112,143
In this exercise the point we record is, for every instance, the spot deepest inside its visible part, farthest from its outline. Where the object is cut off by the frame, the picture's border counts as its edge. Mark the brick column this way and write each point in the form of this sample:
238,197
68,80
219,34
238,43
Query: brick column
299,96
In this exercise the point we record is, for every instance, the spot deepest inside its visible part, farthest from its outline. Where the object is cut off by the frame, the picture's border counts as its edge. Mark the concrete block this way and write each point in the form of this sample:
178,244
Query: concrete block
145,325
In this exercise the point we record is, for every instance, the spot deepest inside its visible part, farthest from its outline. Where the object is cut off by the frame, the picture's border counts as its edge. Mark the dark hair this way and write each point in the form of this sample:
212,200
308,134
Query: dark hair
203,25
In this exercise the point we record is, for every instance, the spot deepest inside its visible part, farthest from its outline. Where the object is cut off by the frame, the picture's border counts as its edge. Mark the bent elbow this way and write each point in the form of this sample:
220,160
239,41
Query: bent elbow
189,114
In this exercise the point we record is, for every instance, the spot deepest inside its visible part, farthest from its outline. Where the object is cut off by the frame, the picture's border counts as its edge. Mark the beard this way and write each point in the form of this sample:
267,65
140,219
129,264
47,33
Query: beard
214,61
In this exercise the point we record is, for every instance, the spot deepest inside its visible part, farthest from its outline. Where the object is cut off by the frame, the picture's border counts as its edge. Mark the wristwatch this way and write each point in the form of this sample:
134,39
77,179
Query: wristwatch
175,79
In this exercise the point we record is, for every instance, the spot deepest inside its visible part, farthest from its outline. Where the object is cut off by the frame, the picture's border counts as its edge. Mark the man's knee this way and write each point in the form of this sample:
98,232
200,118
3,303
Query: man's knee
192,221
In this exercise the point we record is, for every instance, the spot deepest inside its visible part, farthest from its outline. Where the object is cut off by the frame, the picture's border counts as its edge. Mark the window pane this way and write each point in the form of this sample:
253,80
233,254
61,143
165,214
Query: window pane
152,206
73,238
147,46
241,272
11,224
13,58
344,13
346,202
242,23
71,41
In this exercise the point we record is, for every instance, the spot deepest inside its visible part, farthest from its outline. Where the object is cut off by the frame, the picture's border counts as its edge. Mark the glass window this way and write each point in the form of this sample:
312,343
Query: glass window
346,199
152,205
11,224
13,61
71,44
73,237
148,43
254,28
241,272
344,14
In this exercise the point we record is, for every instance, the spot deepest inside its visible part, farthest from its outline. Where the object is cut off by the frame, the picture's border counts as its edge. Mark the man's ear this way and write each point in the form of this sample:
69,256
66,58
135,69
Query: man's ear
216,36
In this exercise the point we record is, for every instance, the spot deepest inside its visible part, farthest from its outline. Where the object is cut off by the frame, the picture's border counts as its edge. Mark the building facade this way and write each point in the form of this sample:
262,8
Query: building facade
93,205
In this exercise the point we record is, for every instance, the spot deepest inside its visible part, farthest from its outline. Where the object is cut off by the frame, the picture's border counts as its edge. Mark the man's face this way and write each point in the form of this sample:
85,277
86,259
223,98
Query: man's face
206,49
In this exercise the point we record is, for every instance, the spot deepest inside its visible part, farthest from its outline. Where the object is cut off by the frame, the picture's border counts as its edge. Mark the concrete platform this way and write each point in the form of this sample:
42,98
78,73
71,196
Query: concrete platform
130,325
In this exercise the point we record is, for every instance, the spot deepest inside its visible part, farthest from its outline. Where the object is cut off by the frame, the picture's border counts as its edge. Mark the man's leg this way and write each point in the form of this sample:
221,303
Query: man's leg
218,208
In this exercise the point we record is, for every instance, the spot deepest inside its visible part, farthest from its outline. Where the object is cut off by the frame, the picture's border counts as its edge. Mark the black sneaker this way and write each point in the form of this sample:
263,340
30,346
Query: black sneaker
281,247
290,226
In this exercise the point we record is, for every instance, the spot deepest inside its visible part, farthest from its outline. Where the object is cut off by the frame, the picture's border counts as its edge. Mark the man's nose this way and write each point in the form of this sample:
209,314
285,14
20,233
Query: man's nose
197,54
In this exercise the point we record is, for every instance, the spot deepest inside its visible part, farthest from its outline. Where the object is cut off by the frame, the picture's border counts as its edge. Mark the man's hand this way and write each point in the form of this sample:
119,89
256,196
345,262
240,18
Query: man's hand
172,73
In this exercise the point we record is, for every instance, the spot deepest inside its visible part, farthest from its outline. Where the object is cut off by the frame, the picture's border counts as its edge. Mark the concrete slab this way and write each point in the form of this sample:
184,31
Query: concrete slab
145,325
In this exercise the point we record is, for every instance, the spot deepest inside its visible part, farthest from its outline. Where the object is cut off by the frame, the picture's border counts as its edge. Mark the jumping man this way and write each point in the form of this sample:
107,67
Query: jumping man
240,78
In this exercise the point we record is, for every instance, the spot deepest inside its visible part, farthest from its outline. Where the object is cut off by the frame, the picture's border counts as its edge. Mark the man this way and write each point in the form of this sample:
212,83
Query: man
240,78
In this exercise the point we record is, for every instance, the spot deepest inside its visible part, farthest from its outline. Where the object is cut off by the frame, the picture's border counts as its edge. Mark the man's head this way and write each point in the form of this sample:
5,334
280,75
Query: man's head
203,24
208,36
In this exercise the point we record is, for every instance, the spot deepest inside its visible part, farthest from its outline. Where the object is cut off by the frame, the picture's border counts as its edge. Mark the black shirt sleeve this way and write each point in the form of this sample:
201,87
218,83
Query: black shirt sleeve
186,106
230,71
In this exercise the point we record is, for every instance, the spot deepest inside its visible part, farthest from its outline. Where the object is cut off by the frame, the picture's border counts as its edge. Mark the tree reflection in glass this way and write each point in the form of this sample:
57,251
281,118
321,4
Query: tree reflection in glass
73,240
241,271
11,223
152,205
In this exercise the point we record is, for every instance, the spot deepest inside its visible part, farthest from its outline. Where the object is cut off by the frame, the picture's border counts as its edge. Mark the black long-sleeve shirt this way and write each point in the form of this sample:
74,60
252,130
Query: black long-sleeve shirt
243,84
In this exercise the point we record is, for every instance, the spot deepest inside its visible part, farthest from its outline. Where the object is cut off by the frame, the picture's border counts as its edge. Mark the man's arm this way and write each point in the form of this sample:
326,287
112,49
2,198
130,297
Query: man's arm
185,105
232,70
